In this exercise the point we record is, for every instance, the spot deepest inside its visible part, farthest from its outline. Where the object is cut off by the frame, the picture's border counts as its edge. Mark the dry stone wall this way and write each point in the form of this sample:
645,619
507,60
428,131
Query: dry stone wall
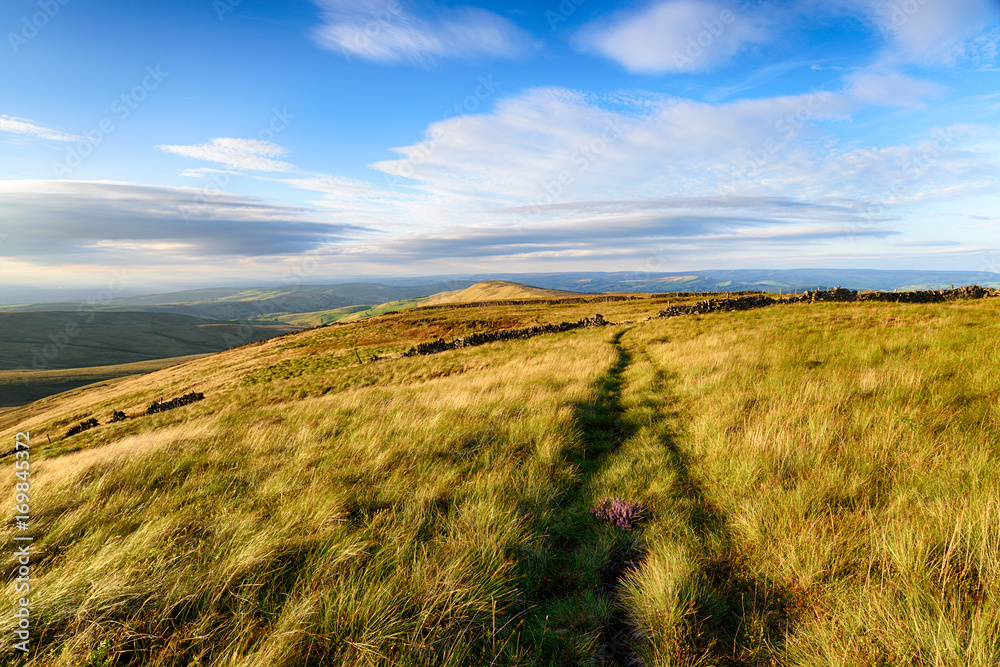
838,294
440,345
163,406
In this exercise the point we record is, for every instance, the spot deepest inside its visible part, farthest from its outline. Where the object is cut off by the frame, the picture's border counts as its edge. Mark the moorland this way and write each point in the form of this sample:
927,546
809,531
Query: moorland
809,483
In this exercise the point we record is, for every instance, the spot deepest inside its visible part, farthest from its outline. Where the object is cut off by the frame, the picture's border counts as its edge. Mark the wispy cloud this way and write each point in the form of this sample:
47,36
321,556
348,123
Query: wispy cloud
893,89
91,220
676,35
937,32
13,125
391,32
241,154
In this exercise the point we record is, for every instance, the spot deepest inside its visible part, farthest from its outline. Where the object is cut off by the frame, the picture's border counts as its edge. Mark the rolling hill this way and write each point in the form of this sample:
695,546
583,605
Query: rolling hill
255,302
43,352
496,290
805,484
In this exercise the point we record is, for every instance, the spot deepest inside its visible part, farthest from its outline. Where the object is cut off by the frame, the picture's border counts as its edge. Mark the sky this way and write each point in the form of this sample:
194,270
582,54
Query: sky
211,142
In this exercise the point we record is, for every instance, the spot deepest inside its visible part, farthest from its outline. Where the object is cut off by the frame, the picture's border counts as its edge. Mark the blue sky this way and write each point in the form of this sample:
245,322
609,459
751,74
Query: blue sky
219,141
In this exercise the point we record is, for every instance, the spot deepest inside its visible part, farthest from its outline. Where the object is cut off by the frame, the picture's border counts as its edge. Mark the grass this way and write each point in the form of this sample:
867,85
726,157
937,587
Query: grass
381,309
60,340
18,388
498,290
311,319
821,482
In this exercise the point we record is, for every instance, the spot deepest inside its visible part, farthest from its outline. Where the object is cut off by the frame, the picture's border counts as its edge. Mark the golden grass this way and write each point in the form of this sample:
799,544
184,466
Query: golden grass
822,482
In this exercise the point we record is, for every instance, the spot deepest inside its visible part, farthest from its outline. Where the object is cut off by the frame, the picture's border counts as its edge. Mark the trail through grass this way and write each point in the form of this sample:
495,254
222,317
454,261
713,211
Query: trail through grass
822,486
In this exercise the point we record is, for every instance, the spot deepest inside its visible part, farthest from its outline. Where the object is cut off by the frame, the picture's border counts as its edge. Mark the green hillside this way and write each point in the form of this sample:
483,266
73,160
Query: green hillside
20,387
59,339
805,484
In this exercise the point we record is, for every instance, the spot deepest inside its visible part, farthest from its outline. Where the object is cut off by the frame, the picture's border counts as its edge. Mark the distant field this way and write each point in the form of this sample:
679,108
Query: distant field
312,319
18,388
388,307
48,340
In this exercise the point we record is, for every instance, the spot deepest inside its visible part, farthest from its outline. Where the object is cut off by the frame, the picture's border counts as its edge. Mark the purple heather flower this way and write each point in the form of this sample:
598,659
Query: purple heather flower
624,514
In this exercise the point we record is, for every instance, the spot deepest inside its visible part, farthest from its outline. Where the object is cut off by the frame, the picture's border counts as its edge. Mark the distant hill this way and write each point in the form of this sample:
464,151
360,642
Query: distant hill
496,290
52,340
256,302
751,279
320,304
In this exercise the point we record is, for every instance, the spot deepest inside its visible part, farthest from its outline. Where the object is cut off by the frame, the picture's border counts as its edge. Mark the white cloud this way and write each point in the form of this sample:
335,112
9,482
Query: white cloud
555,145
87,220
937,32
391,33
241,154
892,89
555,170
14,125
676,36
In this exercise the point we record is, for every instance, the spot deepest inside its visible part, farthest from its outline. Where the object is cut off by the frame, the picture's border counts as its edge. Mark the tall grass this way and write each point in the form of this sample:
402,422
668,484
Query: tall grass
851,452
381,524
821,482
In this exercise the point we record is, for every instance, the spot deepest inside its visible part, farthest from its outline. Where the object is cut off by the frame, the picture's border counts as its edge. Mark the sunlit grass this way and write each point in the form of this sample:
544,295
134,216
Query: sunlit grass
820,485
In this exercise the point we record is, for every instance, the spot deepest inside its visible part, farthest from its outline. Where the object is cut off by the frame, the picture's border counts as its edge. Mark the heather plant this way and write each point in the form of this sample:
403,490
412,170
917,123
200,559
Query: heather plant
624,514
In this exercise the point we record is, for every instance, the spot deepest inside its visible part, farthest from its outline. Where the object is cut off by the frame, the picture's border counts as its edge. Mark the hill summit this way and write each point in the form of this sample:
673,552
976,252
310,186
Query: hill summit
496,290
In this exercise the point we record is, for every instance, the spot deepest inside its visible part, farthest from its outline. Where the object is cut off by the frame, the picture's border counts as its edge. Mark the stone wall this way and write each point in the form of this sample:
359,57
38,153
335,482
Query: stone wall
163,406
838,294
440,345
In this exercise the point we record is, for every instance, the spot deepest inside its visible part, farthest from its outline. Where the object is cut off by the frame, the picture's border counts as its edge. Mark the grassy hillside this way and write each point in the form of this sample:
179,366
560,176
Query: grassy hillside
819,481
67,340
18,387
495,290
314,319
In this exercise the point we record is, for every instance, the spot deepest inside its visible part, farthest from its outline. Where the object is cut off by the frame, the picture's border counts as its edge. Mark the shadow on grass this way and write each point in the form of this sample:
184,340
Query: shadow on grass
572,579
739,620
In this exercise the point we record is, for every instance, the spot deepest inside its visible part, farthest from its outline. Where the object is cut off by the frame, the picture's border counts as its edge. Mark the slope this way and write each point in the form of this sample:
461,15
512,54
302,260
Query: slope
818,484
496,290
60,340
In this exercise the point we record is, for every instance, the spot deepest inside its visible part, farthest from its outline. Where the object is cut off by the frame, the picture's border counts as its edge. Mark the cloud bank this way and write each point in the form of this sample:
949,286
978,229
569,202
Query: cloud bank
93,221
